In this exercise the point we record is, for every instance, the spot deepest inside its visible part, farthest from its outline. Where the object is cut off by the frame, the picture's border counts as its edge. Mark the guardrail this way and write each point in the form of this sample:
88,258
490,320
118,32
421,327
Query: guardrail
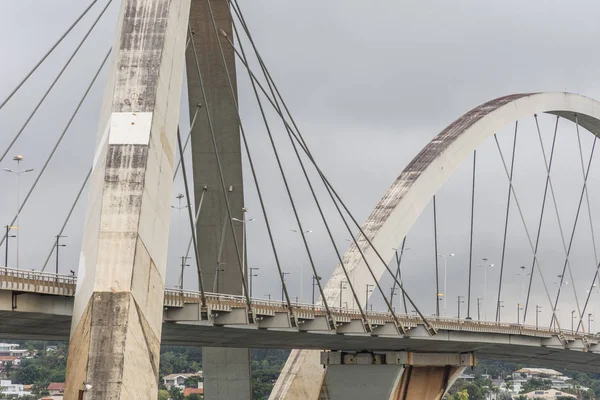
64,285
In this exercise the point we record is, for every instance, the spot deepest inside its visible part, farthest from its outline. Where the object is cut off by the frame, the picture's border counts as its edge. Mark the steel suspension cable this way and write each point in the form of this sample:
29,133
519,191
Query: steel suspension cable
537,261
220,169
28,75
187,139
437,276
277,158
275,104
62,135
512,167
197,217
333,193
64,225
192,225
399,275
548,166
471,236
12,142
321,213
597,269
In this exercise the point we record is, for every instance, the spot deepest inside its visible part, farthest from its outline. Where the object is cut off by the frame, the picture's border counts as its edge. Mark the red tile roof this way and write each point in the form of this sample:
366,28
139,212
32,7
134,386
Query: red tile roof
56,386
8,358
188,391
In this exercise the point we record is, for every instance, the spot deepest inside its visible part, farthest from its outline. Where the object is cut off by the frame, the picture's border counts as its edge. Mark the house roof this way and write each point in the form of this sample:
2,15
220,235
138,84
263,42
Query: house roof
174,376
537,371
9,358
56,386
189,391
547,394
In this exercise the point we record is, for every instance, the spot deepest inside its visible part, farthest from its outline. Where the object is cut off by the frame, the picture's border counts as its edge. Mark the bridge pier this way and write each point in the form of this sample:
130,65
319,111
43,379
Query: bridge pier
117,320
390,375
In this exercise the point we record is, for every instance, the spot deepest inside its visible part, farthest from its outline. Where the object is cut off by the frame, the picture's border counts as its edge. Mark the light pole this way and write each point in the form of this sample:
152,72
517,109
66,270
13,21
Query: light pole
183,265
461,299
399,273
500,307
18,173
314,283
283,274
572,318
7,236
538,310
367,291
179,207
519,312
342,287
243,221
58,245
250,275
590,316
523,274
445,257
268,296
485,267
302,265
479,308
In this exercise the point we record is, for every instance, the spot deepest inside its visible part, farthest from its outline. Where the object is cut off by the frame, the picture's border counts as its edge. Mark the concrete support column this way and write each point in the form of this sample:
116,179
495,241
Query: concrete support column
390,375
117,316
227,373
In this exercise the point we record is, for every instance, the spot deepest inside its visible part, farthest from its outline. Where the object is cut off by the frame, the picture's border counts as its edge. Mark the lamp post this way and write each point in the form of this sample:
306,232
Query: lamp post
315,279
367,291
268,296
302,265
590,316
251,275
479,308
500,307
183,265
485,267
58,245
538,310
243,221
461,299
572,318
445,257
18,173
399,273
7,236
519,312
342,287
283,274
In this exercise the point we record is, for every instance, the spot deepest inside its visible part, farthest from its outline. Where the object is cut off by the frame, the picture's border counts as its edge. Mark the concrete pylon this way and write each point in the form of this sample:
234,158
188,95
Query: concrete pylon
391,375
117,316
227,373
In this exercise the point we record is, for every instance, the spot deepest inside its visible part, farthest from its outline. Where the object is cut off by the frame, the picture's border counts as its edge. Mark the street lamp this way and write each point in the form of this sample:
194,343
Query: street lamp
18,173
485,267
302,265
179,207
342,287
243,221
523,274
500,307
283,274
369,289
58,245
7,236
183,265
590,319
461,299
399,273
538,310
479,308
519,312
445,257
252,274
572,318
315,280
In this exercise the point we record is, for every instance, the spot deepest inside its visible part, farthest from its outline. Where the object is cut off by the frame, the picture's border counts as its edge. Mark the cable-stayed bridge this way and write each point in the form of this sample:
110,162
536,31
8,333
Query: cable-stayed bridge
116,308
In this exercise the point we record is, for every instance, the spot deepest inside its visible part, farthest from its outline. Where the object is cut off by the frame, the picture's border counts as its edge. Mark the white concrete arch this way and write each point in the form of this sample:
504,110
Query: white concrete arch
398,210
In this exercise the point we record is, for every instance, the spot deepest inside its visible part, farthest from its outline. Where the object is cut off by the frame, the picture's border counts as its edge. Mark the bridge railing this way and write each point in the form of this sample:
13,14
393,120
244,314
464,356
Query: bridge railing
64,285
37,282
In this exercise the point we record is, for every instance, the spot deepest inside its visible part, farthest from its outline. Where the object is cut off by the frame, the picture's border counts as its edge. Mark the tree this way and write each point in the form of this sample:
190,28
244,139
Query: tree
194,396
462,395
8,367
192,381
176,393
163,395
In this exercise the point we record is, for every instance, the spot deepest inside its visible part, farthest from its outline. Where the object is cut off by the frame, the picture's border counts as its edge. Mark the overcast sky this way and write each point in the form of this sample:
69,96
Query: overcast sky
370,83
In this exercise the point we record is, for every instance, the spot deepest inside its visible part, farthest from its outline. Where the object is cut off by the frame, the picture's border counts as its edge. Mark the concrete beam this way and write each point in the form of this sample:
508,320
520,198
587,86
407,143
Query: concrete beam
117,315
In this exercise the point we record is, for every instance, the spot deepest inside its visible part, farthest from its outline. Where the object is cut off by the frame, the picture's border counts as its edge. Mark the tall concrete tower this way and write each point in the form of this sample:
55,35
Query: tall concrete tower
226,371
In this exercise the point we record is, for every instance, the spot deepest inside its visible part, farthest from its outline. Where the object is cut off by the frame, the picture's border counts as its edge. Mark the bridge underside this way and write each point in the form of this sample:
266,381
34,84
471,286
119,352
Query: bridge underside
522,349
